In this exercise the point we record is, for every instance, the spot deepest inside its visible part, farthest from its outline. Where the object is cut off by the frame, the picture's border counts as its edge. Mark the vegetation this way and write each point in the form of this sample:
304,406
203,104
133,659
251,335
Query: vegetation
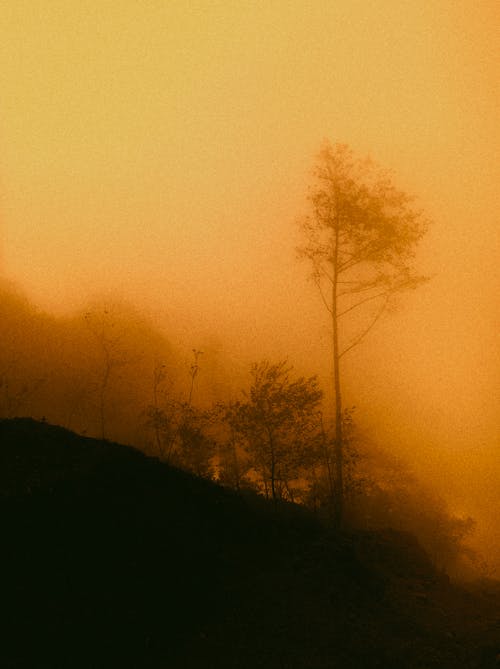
303,501
360,240
277,427
272,439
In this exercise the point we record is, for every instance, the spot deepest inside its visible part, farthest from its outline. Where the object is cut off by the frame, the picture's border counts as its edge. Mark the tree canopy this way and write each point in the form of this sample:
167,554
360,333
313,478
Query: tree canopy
279,423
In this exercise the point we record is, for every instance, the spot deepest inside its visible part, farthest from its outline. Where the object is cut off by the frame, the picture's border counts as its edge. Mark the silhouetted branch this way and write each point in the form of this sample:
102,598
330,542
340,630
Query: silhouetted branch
366,299
366,331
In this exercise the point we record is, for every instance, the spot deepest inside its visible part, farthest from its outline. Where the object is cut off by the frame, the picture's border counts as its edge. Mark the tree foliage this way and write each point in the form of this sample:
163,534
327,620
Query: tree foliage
362,232
278,424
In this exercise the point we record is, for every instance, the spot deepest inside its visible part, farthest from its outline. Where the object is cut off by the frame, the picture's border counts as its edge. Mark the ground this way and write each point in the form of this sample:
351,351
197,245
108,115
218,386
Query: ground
112,559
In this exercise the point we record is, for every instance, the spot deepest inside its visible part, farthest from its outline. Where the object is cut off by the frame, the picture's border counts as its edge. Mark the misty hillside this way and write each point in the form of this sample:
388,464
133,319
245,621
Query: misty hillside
112,559
249,335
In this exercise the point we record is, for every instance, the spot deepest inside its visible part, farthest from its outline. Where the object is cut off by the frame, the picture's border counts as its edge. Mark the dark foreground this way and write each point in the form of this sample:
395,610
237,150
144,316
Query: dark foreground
111,559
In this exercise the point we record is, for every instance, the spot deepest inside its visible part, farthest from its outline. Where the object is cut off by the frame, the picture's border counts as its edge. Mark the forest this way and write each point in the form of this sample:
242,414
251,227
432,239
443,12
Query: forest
108,372
249,326
168,509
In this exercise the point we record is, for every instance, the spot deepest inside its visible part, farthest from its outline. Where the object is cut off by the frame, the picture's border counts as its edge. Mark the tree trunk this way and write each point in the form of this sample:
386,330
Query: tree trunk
273,481
339,446
273,468
326,455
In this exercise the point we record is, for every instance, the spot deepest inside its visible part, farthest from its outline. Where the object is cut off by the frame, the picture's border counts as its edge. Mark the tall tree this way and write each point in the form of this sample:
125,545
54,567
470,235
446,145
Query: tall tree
360,239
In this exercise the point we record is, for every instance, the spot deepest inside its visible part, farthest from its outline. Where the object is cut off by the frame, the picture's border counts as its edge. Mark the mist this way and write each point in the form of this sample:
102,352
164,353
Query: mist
161,156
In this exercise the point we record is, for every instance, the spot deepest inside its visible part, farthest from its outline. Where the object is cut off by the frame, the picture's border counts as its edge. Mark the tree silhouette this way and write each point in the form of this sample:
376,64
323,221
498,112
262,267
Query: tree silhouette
278,423
108,338
360,240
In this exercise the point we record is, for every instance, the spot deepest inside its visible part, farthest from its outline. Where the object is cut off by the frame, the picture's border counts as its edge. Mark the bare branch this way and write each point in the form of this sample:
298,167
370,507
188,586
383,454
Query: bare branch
366,299
317,281
349,264
325,273
359,286
360,338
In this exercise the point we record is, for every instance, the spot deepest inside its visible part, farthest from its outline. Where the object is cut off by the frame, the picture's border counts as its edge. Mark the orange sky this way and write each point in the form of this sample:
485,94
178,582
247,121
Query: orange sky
162,149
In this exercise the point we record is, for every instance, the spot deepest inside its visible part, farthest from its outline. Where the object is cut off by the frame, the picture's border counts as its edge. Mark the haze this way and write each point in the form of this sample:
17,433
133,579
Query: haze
161,151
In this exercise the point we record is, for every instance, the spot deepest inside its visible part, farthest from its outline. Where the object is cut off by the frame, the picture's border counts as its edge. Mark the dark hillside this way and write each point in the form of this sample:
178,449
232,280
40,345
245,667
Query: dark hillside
112,559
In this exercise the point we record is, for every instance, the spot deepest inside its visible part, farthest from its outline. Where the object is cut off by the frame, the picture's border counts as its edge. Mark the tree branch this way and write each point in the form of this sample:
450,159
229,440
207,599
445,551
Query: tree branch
366,331
366,299
348,264
319,270
317,281
359,286
364,254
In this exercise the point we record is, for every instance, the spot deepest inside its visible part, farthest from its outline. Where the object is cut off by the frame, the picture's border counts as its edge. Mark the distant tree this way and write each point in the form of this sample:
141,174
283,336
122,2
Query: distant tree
23,372
163,415
233,463
360,240
387,494
181,430
278,424
196,448
158,419
108,338
193,372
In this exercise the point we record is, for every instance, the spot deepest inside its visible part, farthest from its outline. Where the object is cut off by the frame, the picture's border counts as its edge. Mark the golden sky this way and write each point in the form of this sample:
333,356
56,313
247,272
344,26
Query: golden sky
162,149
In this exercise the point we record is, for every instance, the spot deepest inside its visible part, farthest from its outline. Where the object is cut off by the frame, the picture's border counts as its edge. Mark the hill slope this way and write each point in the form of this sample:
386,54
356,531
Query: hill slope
112,559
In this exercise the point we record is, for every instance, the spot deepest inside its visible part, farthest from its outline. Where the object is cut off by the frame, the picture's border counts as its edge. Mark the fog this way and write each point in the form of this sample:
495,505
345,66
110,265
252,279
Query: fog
161,153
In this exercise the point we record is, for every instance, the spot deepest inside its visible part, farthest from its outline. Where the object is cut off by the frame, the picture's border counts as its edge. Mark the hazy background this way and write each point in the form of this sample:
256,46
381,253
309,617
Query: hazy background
162,151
